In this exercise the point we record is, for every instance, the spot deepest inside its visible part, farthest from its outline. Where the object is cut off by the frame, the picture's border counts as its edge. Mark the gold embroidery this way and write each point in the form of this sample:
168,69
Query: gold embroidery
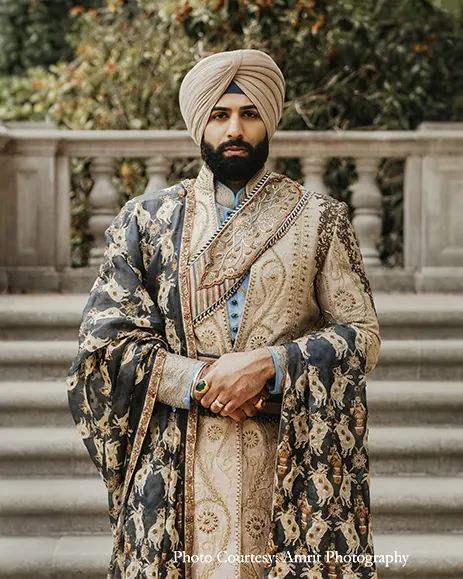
343,287
266,282
176,377
211,334
265,218
228,254
215,487
208,521
191,353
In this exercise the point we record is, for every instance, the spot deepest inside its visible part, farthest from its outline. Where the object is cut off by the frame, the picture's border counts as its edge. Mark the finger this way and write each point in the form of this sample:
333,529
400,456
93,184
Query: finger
207,359
249,409
211,395
197,395
235,416
208,396
229,408
238,415
234,404
214,393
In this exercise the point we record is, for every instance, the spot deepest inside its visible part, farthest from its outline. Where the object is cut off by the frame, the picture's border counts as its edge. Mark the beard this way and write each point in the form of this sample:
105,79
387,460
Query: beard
235,168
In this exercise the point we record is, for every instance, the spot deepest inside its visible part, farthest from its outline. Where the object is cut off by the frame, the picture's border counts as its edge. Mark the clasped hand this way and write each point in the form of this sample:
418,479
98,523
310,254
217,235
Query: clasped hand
236,380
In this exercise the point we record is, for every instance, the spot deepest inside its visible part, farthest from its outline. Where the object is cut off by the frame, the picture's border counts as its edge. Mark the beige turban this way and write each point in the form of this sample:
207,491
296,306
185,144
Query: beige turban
256,74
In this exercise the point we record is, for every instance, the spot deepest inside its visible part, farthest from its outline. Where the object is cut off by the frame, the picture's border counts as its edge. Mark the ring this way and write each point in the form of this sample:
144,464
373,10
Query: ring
217,401
260,403
202,386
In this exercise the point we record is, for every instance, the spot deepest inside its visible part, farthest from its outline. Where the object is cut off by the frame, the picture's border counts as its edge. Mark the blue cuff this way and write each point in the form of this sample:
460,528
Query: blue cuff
274,385
188,399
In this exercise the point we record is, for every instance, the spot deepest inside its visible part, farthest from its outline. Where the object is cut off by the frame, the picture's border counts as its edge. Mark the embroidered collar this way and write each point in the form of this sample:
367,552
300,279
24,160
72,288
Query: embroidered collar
207,182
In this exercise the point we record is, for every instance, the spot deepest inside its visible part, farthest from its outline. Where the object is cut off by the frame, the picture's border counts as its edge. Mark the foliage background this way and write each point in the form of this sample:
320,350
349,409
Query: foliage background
349,64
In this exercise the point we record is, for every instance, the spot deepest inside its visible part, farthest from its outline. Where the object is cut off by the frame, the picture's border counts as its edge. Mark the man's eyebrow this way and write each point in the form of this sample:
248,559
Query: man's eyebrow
244,108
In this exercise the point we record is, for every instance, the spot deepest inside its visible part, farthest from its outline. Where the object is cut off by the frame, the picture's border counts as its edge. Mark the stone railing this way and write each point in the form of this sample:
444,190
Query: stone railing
35,196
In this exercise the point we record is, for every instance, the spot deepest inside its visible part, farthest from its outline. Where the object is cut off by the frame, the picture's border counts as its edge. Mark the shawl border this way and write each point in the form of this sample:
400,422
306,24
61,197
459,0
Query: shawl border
145,418
192,419
184,285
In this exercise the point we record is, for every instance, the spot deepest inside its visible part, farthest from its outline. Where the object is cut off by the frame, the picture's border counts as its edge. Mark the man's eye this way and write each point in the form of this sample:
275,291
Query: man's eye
251,114
220,116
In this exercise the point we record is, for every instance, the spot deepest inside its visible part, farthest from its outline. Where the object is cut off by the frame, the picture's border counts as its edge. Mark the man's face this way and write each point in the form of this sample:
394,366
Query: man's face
235,143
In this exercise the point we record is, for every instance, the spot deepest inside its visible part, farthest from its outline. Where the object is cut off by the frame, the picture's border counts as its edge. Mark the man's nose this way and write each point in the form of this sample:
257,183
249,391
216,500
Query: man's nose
235,129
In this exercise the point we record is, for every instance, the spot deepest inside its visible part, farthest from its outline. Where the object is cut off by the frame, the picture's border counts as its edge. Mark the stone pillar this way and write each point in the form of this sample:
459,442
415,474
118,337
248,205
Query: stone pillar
313,169
104,205
5,182
31,231
157,169
433,213
367,203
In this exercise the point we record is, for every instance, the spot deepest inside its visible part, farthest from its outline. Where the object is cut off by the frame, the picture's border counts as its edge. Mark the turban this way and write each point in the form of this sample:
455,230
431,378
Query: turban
253,71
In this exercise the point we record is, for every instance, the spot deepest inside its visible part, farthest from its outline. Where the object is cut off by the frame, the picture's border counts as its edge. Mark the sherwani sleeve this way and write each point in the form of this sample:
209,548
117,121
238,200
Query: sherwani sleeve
344,296
179,373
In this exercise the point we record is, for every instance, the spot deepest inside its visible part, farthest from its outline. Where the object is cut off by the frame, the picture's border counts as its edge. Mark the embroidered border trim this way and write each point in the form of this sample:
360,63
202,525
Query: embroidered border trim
279,233
142,429
183,275
192,420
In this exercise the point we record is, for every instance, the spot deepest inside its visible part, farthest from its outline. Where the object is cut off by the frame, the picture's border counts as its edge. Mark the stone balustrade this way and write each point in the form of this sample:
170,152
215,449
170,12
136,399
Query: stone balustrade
35,194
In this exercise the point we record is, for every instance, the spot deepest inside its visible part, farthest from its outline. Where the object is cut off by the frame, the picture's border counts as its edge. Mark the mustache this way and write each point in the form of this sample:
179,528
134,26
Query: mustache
221,148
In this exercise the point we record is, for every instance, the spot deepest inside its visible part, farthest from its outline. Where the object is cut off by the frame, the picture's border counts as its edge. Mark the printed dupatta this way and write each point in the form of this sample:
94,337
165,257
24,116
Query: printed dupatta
137,313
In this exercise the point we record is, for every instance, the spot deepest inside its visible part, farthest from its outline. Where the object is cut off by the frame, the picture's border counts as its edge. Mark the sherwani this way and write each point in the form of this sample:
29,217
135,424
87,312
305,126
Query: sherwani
226,202
183,480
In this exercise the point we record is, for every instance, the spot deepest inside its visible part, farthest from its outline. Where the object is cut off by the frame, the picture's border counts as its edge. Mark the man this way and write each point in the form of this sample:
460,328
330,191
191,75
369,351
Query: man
220,380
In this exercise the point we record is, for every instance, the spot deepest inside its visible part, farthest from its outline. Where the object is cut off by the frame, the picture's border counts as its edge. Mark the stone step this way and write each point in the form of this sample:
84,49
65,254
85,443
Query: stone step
417,504
41,316
31,403
40,506
419,316
60,451
420,360
401,315
45,403
66,557
431,556
399,360
36,360
415,402
37,506
39,451
416,450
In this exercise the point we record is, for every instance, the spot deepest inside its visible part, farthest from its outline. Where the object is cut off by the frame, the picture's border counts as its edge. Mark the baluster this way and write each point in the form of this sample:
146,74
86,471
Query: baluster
104,205
157,169
367,203
313,169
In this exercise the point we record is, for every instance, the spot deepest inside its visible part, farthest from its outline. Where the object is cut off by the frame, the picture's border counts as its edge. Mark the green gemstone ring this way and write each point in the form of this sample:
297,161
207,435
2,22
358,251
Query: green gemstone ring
202,386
